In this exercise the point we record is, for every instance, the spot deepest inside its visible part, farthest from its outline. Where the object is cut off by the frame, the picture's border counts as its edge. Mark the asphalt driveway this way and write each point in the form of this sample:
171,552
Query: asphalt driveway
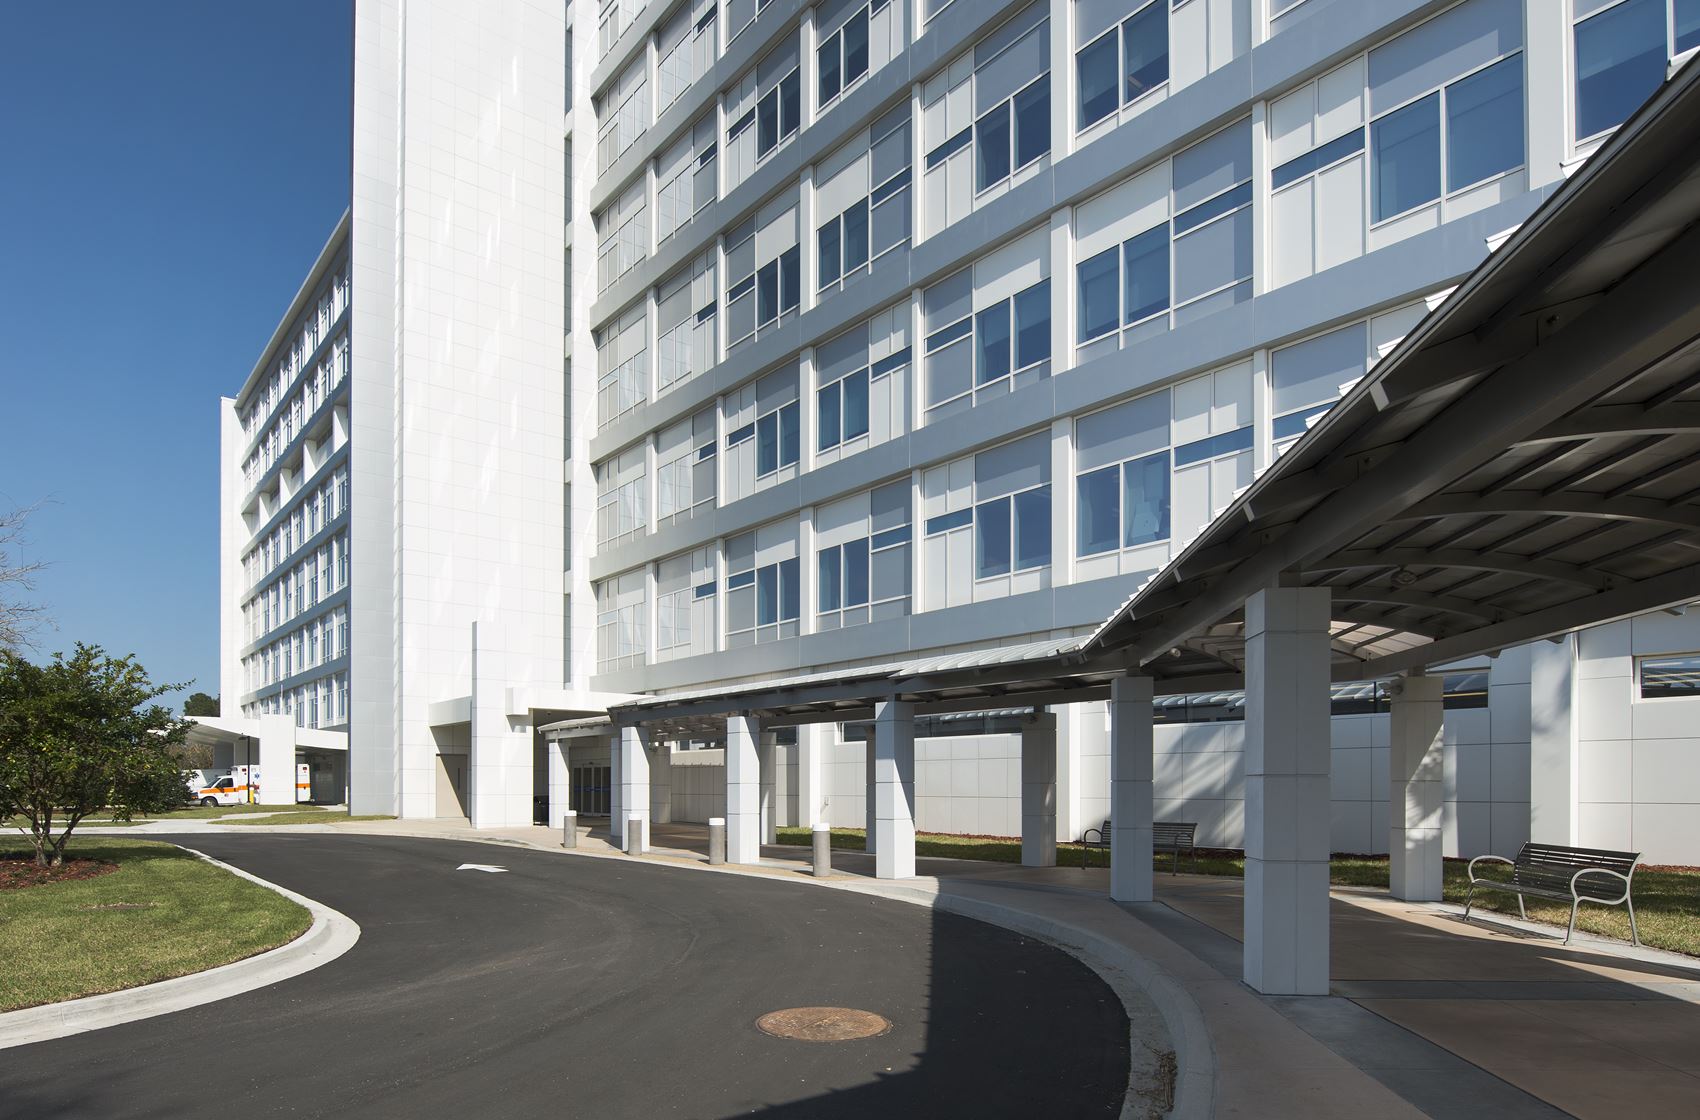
599,988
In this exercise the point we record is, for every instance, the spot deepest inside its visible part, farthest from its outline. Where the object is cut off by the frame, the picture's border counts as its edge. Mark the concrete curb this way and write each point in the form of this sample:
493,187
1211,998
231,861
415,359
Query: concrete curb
330,936
1195,1054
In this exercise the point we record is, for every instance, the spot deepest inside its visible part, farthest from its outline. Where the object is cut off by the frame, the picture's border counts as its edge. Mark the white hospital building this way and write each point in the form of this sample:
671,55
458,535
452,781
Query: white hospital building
675,349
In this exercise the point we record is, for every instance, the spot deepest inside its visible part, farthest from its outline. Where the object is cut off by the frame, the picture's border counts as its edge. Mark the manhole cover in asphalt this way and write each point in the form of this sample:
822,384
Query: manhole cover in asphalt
823,1024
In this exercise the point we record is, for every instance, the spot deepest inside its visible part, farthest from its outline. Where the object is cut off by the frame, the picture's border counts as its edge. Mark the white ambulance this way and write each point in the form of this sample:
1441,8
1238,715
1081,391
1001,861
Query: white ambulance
230,789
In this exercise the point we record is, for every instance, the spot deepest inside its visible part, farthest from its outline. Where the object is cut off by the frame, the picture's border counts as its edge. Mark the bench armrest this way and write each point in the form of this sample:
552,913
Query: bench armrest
1599,871
1089,832
1495,859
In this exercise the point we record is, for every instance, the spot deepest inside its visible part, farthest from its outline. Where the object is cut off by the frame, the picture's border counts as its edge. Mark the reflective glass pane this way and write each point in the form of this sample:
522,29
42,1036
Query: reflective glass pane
991,340
827,417
856,236
1145,46
856,46
1097,514
830,579
788,435
856,573
767,595
1146,259
830,253
1033,325
1687,24
1405,155
1097,295
1145,499
991,538
1670,676
856,404
1484,123
1095,67
991,147
1033,122
830,74
1033,528
789,590
767,443
1620,61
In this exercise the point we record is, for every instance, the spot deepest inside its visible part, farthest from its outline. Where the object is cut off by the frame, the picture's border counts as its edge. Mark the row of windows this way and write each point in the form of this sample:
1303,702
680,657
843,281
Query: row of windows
309,331
321,505
1144,471
320,703
320,574
317,387
319,641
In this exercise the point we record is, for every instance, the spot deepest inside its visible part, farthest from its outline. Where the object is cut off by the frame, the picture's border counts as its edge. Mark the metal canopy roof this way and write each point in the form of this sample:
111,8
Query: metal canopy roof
1525,463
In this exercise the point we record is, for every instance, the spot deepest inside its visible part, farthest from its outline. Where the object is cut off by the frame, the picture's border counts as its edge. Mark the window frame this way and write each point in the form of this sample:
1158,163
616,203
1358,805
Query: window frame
1119,30
865,12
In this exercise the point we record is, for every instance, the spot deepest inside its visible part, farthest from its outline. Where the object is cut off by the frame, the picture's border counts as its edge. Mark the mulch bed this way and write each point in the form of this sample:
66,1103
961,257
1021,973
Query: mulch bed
18,870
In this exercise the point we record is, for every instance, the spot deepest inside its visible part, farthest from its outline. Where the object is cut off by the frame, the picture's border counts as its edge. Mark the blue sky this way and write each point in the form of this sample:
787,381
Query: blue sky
170,171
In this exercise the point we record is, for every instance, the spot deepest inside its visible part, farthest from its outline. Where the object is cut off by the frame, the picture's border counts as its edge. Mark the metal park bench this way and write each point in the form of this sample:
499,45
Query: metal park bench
1564,874
1166,836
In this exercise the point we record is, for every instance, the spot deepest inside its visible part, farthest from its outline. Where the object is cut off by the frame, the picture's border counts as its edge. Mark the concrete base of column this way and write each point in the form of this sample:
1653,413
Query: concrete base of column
743,790
894,790
1131,769
766,751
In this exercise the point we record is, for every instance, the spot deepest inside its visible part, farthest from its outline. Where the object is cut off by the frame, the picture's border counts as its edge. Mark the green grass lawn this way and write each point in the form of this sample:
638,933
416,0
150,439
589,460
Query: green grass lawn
163,913
1667,902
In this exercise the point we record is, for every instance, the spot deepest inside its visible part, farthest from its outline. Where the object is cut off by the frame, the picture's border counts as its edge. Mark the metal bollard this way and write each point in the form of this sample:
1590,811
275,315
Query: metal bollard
717,839
569,829
823,849
637,838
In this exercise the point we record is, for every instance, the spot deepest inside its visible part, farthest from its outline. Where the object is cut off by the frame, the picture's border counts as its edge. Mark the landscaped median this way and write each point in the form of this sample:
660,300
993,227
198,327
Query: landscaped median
308,816
124,912
1667,899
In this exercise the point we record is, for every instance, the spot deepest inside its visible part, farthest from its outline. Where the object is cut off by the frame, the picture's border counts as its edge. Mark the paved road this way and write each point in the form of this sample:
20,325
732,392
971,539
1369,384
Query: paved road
596,988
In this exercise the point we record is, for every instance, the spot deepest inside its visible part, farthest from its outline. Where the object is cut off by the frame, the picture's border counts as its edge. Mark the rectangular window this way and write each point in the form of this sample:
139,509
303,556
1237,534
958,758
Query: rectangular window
1096,291
1484,124
843,57
842,410
1620,62
1405,158
776,439
1666,677
1120,65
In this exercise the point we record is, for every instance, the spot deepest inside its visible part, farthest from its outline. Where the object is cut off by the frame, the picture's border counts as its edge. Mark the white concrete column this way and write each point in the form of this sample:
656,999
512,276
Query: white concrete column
277,760
894,790
1414,794
1287,807
766,748
1039,791
1554,742
661,783
616,795
634,778
1130,788
500,757
869,839
743,789
560,780
811,773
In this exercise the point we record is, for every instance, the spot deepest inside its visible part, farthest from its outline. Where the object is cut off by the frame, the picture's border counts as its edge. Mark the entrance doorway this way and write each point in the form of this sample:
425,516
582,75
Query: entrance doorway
591,790
451,785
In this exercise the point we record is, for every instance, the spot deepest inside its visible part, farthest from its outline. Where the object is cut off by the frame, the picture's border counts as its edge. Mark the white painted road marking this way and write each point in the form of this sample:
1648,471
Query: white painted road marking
491,868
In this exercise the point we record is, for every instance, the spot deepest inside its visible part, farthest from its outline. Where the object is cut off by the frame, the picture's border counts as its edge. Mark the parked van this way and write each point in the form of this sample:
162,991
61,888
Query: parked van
231,789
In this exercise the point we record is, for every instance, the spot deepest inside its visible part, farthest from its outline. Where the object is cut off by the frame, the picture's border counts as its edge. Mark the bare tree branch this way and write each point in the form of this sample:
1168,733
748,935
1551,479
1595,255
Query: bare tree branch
19,617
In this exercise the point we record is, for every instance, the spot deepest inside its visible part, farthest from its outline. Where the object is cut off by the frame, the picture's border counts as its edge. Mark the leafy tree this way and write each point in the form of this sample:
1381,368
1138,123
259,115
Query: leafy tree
82,734
200,704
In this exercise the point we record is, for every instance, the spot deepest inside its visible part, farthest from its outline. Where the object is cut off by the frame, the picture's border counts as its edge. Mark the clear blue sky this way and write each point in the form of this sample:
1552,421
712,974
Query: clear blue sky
168,172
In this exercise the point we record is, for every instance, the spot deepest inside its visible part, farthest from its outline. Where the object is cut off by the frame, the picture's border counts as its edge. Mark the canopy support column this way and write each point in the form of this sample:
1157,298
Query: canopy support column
1131,767
743,789
1415,792
1039,791
894,790
1287,748
633,749
766,748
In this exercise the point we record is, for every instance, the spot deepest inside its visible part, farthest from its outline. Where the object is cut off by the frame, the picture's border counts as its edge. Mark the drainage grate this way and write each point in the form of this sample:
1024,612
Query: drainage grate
823,1024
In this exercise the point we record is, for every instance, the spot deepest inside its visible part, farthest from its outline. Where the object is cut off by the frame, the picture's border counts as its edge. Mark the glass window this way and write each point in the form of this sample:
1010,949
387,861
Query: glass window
855,46
1145,500
1687,24
856,573
1032,528
1033,121
831,253
1484,123
830,569
1146,259
856,235
1095,69
831,71
1033,325
1096,278
1670,676
1145,51
829,415
1620,61
1097,514
991,147
1405,154
991,538
856,404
